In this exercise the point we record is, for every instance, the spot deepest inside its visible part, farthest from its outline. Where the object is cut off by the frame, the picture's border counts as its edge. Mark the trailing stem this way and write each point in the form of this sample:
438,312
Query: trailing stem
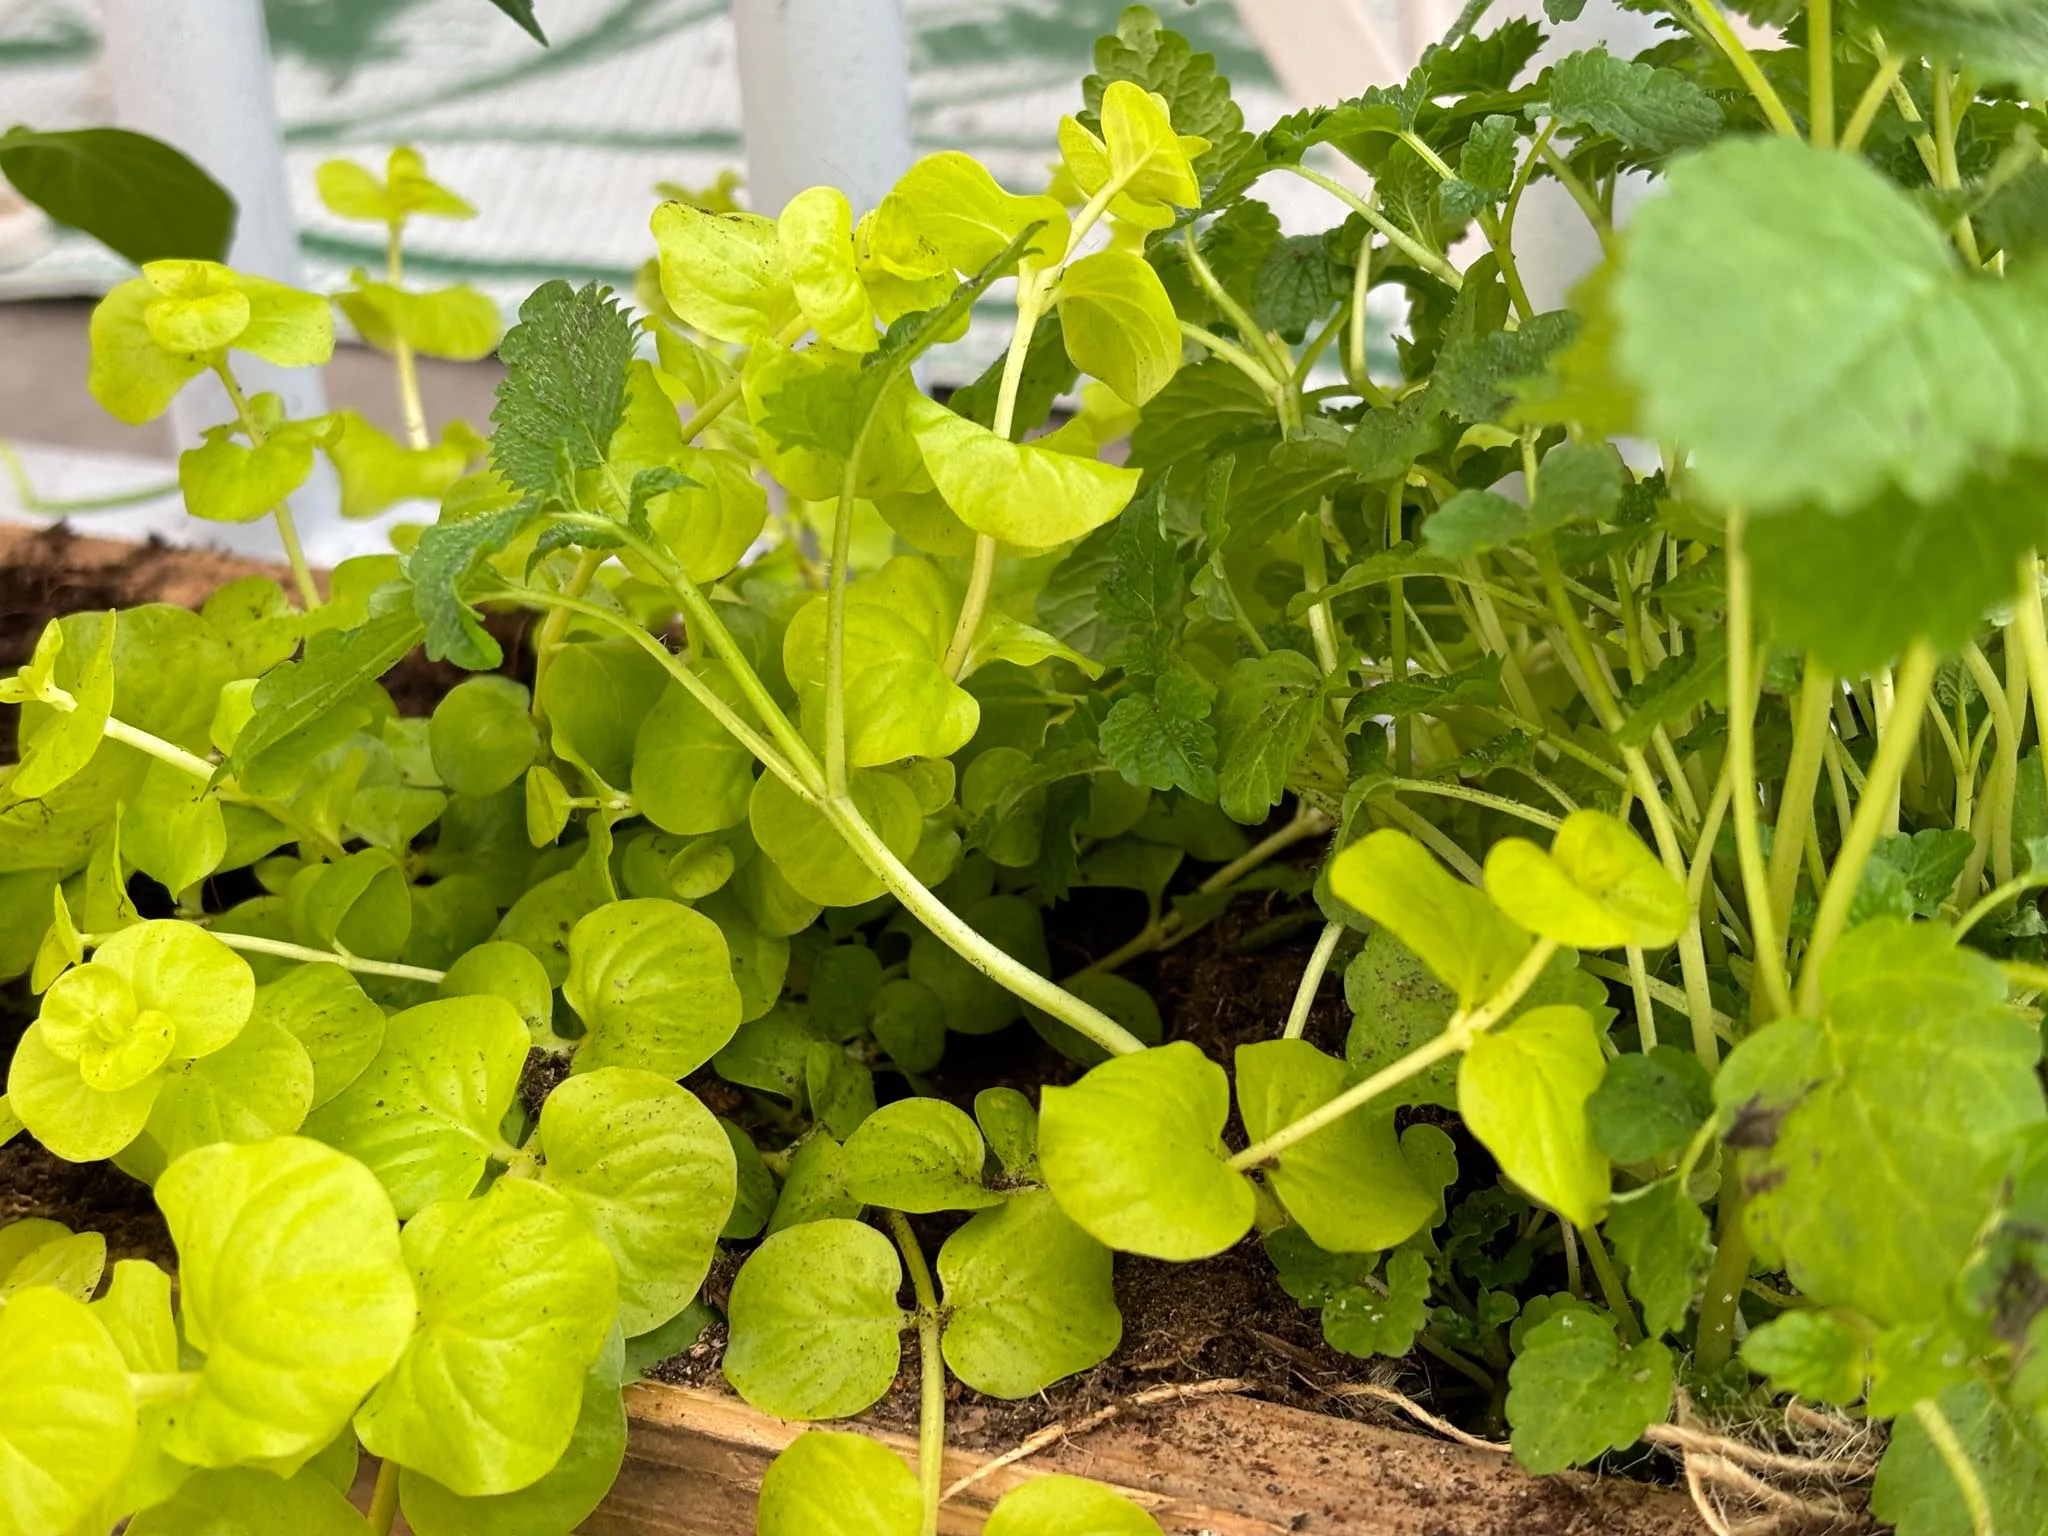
1771,997
401,350
931,1412
1311,981
287,530
1458,1034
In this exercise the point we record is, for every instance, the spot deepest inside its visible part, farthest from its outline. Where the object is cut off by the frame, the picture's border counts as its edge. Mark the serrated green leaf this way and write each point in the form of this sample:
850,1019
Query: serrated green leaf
1661,1235
1377,1317
1575,1391
564,390
1651,110
1266,712
1162,739
1822,1355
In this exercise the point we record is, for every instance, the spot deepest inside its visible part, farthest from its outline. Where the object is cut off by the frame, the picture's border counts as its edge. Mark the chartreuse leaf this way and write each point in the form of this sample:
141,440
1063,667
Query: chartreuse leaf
1464,939
1575,1391
918,1155
838,1485
459,323
243,1501
257,1086
815,234
1138,151
1889,365
362,902
899,700
1596,887
67,743
1523,1089
293,1286
322,1007
19,1239
173,830
969,220
652,982
517,1296
710,522
1348,1185
481,735
510,971
1028,1297
1028,496
723,273
1888,1120
562,1499
1134,1154
653,1174
67,1115
814,1321
424,1114
1060,1505
71,1262
1118,324
67,1415
808,851
404,192
689,775
1661,1235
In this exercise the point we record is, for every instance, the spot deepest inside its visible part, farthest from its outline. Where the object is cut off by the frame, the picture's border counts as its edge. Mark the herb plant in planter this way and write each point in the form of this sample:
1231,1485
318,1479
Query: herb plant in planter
1648,680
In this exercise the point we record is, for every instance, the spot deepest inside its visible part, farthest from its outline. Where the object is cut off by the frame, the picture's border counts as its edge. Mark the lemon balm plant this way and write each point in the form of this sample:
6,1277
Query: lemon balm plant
1650,681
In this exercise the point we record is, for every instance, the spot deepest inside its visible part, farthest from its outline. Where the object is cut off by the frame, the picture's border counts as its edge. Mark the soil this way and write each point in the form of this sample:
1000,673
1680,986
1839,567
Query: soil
1225,1317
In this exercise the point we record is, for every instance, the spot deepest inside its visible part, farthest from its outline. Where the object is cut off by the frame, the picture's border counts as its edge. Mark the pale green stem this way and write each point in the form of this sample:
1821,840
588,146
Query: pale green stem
2005,770
25,491
1234,355
1992,900
1746,66
1915,683
1771,989
1611,1290
287,530
1581,194
1646,1012
1802,777
1399,238
401,350
1665,993
278,947
931,1408
1872,101
1969,1486
384,1498
1031,291
1432,837
966,942
1463,1028
1451,790
2033,635
1820,75
62,700
1311,981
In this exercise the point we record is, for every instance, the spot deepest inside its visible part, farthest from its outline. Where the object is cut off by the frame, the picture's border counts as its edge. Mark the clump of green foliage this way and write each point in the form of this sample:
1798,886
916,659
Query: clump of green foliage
1651,679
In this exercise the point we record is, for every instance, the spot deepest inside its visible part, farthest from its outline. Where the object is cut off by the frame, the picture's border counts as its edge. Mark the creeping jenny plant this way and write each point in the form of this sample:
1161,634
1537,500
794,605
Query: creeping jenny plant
1639,693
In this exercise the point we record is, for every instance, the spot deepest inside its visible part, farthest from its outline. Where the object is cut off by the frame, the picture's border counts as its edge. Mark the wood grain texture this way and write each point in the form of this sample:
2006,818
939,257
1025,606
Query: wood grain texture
1220,1466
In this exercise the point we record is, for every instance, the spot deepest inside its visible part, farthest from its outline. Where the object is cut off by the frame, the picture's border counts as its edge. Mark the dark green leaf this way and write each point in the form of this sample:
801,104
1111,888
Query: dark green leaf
1473,373
136,195
1141,592
1164,740
565,384
1419,693
1297,285
336,665
1483,63
1678,685
1656,111
1204,409
1265,714
1661,1235
1575,1391
1911,875
1648,1106
1380,1317
440,567
2004,40
1386,443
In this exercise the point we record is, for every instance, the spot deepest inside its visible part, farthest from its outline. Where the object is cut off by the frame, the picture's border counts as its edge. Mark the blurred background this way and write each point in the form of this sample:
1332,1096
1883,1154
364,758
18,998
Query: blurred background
565,150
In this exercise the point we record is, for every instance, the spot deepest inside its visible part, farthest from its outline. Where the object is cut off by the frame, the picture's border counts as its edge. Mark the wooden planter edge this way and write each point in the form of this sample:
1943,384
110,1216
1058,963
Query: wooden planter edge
1204,1466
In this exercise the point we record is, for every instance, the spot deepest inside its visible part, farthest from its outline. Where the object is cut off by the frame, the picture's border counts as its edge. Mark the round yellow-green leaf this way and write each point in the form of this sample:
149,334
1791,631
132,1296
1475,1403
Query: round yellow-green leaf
67,1416
517,1295
1028,1295
918,1155
652,982
1118,323
1523,1090
819,864
1134,1153
689,775
1347,1185
257,1086
1467,941
1596,888
1031,497
1067,1506
815,233
815,1322
130,375
78,1123
723,273
326,1011
293,1286
969,219
243,1501
653,1173
510,971
424,1114
182,970
829,1484
482,736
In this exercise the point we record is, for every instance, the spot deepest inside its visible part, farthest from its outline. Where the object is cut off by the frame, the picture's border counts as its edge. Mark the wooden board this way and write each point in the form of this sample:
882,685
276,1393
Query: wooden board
1217,1466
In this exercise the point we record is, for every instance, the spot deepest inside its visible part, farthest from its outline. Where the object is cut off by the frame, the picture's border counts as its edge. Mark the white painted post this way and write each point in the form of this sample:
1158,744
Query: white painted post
824,97
196,73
